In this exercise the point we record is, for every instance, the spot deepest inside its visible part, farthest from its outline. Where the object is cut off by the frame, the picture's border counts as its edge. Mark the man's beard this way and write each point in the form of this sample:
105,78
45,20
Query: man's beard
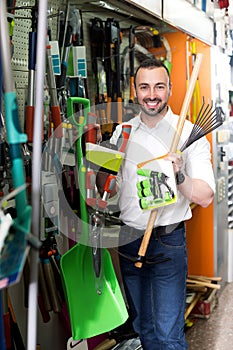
153,112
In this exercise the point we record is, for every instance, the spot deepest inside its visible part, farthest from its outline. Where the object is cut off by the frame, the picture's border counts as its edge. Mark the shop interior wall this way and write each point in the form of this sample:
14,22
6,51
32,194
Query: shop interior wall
52,334
199,229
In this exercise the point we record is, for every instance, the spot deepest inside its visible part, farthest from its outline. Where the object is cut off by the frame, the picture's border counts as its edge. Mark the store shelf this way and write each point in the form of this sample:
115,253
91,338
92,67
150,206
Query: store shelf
153,7
201,26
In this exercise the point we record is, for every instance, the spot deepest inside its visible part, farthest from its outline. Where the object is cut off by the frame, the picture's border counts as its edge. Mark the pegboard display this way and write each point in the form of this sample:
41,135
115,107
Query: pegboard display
22,25
21,84
20,40
25,17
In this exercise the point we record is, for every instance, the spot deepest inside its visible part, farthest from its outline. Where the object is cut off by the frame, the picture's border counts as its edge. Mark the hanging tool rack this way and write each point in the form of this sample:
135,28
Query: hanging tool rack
106,75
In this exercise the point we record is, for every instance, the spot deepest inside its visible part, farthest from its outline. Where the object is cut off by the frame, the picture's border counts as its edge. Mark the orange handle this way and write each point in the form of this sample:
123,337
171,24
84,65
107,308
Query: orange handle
108,110
119,110
131,97
140,165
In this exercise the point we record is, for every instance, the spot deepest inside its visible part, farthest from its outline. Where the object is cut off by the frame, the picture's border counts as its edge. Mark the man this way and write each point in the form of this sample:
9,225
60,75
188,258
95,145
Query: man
156,293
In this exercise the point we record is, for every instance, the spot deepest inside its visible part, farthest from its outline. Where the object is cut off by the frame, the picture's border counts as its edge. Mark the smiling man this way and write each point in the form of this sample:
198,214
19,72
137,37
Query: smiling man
152,94
156,293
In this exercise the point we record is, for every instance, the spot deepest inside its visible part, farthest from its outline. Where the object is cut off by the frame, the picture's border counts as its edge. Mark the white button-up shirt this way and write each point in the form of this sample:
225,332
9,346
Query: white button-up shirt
147,143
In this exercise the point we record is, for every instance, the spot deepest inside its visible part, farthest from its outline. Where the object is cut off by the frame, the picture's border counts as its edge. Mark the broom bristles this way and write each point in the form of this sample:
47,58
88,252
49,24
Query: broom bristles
207,121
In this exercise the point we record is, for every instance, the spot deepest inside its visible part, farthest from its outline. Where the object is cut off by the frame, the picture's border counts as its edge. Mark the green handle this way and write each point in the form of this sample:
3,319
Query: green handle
80,160
70,110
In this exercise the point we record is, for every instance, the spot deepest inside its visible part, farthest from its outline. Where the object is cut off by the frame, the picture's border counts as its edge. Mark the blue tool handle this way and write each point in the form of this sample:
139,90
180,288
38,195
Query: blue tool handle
14,133
18,180
32,51
15,138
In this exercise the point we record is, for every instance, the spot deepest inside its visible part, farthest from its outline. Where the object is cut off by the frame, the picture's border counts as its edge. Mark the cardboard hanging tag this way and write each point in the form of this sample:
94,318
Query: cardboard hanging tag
77,344
156,184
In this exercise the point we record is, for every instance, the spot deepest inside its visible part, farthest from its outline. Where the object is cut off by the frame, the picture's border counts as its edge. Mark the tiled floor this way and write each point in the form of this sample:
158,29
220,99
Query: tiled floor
215,333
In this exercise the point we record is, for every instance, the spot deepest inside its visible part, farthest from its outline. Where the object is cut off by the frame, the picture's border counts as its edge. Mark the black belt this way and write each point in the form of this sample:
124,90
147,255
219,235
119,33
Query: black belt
157,231
165,230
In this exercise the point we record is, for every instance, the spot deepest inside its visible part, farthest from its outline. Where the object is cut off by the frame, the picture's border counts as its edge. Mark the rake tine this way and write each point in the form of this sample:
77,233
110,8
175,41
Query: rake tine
200,130
190,140
206,114
208,124
216,118
202,106
207,117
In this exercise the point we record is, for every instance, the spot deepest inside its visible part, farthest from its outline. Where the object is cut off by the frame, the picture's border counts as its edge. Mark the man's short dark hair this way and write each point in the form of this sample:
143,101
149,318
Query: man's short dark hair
150,63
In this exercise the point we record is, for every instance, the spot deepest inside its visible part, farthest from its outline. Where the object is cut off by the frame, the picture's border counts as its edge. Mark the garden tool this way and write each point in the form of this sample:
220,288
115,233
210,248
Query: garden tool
92,310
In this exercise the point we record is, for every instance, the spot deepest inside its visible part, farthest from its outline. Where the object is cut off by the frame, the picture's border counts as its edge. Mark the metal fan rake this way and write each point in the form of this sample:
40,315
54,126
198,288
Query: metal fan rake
208,119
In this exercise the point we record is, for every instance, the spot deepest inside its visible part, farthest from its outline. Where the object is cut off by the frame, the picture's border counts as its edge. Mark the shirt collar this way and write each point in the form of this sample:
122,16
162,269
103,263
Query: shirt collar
137,122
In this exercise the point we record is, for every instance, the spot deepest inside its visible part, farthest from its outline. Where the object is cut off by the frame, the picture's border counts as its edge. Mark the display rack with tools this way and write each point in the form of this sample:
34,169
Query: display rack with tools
71,160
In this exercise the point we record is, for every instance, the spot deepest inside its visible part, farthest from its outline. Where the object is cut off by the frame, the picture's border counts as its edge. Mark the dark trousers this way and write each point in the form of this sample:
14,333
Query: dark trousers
156,293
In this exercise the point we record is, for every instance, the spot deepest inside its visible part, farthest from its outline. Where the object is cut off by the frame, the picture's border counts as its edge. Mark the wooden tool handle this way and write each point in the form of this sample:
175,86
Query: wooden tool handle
106,344
185,105
146,237
205,278
191,306
173,148
206,284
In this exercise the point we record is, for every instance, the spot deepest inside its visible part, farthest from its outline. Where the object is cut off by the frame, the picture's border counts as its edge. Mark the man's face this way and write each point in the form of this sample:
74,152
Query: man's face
152,90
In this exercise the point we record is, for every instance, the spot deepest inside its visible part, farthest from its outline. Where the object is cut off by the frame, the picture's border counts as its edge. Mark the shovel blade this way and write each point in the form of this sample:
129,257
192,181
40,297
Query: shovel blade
91,313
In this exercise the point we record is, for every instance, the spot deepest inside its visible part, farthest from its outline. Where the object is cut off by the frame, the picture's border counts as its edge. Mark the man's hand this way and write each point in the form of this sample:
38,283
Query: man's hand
176,159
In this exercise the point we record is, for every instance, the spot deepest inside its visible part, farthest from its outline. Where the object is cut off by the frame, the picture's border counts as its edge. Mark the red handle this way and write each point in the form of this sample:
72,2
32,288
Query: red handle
110,183
57,122
124,137
91,128
29,122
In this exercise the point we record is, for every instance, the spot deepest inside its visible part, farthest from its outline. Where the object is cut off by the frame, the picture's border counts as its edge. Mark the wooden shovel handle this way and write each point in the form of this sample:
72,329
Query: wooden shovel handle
173,148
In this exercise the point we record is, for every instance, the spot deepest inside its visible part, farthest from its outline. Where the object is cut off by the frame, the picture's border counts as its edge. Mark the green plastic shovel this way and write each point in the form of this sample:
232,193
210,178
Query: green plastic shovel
95,305
91,313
